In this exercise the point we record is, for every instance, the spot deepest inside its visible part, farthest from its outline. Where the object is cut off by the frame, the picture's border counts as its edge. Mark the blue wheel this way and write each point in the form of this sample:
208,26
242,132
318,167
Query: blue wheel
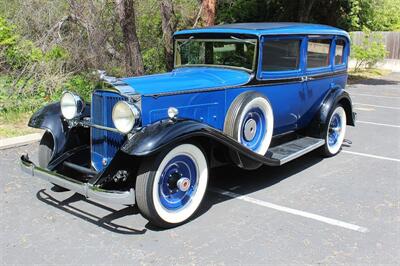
171,188
250,121
335,131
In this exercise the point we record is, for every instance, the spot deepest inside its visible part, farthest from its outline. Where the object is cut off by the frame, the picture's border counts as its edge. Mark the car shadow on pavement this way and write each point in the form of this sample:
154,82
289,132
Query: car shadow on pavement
372,81
226,177
242,182
105,222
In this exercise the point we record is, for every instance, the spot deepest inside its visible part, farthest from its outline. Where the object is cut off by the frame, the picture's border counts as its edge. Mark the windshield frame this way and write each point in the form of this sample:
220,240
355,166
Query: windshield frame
232,39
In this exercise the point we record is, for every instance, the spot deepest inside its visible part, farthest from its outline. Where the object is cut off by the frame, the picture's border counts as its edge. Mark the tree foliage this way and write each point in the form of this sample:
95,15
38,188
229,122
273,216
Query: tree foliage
369,52
46,45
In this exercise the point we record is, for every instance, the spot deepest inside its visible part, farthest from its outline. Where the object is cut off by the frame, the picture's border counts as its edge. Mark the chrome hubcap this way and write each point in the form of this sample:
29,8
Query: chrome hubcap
183,184
250,129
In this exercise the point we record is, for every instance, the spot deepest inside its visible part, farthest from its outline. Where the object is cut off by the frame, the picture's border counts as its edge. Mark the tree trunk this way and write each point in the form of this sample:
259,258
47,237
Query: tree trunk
304,8
168,27
133,58
209,11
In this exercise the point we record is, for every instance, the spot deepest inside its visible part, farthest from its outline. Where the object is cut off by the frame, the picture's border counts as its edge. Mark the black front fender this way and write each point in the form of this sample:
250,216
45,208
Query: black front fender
50,119
155,137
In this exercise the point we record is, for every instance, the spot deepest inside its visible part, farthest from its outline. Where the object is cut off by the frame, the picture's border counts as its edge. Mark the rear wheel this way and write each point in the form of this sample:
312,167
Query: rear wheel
334,132
46,149
171,186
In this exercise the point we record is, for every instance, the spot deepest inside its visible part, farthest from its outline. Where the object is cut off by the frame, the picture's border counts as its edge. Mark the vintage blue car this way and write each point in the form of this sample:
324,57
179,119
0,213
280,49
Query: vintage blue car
244,94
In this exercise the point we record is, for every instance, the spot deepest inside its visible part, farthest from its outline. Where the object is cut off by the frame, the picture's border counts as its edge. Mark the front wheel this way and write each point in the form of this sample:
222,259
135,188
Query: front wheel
334,132
171,186
46,149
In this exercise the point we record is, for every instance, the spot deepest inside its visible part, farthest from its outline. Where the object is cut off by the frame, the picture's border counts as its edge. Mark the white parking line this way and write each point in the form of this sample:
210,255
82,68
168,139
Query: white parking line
377,124
372,156
290,210
379,106
376,96
365,87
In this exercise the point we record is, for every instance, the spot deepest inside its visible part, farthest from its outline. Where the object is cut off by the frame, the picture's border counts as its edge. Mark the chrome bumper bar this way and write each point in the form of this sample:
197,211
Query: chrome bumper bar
85,189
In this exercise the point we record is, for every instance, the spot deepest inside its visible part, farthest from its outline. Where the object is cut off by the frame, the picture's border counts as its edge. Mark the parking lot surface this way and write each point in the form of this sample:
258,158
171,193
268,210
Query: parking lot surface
344,209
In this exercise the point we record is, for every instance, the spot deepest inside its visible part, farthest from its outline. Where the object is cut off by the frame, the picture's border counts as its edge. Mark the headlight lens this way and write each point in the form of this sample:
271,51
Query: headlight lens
71,105
125,116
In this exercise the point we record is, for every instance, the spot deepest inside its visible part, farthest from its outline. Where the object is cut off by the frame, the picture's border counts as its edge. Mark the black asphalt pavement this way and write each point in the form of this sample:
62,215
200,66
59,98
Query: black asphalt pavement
341,210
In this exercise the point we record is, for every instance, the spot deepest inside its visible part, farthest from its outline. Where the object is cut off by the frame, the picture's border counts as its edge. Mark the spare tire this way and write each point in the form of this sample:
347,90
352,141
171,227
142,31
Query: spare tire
250,121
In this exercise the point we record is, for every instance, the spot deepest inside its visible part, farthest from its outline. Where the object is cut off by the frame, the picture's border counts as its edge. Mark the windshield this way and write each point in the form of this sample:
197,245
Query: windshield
237,53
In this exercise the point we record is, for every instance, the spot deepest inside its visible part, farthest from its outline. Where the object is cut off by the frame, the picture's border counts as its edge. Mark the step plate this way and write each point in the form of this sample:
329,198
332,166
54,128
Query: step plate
294,149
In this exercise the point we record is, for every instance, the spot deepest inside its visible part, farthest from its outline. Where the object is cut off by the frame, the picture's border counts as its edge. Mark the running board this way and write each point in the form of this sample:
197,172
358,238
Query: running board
291,150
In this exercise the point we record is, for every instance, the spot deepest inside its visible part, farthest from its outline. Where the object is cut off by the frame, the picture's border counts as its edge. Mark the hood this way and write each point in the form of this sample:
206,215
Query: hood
186,79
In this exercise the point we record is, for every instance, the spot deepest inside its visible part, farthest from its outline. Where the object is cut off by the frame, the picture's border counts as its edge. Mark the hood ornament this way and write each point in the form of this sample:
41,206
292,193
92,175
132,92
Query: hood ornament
103,76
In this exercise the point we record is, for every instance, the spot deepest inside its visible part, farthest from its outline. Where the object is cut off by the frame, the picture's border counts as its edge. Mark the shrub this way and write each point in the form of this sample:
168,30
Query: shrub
369,52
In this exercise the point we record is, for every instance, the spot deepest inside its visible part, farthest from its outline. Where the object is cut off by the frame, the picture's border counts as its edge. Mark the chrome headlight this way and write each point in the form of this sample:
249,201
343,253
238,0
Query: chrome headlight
71,105
125,116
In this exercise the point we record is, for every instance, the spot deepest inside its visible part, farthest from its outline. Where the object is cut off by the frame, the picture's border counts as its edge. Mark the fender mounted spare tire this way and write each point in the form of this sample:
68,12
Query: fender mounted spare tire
250,121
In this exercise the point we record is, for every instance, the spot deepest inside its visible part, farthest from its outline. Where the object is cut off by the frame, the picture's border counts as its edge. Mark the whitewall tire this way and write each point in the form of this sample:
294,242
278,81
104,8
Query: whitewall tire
170,188
335,131
250,121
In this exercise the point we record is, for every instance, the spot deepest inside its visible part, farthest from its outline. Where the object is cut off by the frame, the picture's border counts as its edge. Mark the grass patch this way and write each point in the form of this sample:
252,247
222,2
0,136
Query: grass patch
370,73
15,124
17,108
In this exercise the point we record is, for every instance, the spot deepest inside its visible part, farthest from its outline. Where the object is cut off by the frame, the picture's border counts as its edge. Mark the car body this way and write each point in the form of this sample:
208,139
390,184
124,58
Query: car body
248,94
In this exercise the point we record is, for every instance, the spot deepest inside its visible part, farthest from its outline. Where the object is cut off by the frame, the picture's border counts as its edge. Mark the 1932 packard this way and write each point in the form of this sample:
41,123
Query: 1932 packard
248,94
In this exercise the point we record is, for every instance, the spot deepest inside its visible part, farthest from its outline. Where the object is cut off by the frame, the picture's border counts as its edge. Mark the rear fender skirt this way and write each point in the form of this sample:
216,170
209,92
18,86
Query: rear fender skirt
50,118
334,97
155,137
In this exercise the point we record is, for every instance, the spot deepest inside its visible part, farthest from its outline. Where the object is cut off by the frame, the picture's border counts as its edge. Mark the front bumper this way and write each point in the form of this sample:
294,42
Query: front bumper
85,189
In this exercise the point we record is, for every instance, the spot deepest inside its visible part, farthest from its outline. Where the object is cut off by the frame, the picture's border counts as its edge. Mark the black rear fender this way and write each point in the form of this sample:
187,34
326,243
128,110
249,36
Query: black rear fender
335,96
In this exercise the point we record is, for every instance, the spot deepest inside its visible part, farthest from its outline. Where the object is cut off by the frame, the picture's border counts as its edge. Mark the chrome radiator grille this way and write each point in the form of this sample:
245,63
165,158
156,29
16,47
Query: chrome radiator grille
105,144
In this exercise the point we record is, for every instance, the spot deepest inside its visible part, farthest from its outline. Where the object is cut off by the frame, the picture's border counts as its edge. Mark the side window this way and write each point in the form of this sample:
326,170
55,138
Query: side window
281,55
339,51
318,53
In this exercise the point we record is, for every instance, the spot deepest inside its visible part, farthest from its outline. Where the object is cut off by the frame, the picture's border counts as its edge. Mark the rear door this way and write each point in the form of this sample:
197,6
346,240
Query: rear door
318,75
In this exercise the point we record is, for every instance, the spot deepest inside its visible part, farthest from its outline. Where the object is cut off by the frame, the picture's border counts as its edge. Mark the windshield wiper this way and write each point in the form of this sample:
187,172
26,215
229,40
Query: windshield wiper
186,42
242,40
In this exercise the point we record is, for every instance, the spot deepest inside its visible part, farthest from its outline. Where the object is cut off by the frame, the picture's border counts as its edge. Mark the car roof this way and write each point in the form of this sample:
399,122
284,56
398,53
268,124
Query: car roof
268,28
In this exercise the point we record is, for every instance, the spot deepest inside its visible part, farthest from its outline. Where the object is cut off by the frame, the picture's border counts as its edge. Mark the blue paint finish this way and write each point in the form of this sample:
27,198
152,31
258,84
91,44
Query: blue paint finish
314,92
260,29
182,166
188,79
206,107
204,93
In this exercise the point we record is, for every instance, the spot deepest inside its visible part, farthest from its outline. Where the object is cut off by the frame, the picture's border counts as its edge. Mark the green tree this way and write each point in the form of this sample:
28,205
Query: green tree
369,52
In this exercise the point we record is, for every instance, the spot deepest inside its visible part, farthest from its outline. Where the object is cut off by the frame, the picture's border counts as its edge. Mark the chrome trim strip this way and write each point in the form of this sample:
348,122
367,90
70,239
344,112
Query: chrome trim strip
85,189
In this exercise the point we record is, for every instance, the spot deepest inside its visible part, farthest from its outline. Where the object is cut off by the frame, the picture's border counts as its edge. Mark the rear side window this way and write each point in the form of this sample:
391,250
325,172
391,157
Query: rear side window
339,51
318,53
281,55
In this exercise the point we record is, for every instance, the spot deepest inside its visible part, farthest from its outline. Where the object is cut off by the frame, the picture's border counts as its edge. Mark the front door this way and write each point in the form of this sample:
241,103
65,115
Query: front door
281,70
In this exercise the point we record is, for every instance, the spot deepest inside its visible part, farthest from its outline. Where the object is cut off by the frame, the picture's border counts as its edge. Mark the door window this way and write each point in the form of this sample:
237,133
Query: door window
339,51
318,53
281,55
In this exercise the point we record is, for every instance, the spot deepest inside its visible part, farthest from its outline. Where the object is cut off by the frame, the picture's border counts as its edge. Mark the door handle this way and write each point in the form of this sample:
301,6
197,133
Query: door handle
304,78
